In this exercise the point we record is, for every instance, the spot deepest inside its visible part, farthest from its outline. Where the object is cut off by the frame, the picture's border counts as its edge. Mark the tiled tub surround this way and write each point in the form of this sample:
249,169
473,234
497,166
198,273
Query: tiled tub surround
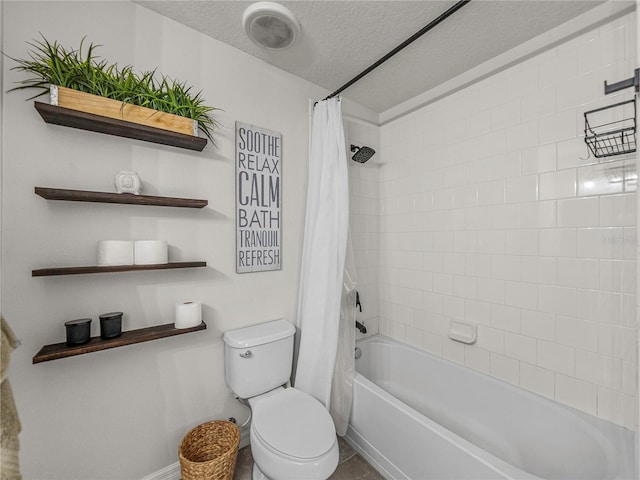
364,218
492,211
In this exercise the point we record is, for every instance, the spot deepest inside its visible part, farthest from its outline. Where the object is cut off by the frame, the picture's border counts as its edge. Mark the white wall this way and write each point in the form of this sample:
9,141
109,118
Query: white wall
121,413
493,212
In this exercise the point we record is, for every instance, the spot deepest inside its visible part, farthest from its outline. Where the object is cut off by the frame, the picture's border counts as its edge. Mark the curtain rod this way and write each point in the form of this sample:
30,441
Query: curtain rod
407,42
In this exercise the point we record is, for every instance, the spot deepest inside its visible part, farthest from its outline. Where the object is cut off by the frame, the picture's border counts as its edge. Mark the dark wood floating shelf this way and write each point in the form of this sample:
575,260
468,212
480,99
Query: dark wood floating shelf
96,123
125,198
61,350
47,272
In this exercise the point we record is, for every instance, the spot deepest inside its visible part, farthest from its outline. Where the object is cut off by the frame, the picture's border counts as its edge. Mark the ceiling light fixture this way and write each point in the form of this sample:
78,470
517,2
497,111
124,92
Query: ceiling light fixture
270,25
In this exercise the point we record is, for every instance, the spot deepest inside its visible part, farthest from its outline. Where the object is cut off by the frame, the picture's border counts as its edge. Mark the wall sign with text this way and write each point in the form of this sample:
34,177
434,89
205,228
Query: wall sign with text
258,199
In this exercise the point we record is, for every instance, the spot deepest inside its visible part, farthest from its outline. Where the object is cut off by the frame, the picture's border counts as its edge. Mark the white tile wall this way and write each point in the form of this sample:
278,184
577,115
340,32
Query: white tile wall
365,207
492,210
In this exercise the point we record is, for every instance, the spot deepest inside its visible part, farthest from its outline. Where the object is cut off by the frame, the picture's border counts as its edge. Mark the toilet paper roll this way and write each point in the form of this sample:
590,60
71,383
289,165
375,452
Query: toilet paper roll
115,252
150,252
188,314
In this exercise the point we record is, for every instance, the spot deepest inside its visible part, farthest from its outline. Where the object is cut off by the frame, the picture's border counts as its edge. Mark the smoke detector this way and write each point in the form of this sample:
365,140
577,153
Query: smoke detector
270,25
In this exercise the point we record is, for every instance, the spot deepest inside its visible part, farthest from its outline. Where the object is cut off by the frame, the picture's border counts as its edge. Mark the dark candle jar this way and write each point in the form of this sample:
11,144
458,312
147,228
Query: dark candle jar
78,331
110,325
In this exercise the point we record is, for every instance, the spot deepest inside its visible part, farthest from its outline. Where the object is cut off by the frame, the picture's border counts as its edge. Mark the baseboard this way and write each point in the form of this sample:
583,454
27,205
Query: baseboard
172,472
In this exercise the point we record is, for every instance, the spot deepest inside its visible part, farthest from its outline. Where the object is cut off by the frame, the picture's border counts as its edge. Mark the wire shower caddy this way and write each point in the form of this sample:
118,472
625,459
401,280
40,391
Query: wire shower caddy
611,130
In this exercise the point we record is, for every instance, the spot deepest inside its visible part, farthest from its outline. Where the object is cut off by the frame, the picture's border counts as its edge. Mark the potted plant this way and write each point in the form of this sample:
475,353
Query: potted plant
82,81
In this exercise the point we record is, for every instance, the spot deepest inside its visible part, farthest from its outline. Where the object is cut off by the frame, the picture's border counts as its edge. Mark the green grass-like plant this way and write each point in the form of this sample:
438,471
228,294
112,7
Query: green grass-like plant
53,64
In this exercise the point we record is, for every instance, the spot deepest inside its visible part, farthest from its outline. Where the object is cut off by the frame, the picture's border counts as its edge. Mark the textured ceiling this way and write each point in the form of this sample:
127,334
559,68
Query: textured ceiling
341,38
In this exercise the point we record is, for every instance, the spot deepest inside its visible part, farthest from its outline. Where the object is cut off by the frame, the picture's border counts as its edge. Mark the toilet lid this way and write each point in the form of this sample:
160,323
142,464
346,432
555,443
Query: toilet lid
294,423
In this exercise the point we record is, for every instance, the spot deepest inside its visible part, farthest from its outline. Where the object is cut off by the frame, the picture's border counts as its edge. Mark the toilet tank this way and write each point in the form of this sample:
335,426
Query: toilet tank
258,358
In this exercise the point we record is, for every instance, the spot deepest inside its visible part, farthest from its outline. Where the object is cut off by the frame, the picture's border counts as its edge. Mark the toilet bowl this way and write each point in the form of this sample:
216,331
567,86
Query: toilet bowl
292,434
292,437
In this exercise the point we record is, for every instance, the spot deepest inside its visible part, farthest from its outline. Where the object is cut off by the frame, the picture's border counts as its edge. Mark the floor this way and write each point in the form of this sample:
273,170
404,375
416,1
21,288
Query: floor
350,467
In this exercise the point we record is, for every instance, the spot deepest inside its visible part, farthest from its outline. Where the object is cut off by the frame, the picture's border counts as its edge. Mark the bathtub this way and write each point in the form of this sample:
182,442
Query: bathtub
416,416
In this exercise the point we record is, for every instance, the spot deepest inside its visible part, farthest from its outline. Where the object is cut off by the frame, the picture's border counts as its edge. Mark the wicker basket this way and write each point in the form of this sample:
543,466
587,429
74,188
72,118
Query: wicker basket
209,451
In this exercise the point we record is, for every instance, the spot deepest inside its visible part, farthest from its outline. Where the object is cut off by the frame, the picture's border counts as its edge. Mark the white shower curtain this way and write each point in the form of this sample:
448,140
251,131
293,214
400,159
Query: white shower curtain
343,372
323,253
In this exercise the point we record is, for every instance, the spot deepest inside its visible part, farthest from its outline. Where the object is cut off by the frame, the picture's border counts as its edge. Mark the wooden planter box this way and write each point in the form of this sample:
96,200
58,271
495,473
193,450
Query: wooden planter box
107,107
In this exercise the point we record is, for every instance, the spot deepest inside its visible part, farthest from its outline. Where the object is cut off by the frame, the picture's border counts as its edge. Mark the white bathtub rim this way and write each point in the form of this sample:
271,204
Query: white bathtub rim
499,466
614,456
617,462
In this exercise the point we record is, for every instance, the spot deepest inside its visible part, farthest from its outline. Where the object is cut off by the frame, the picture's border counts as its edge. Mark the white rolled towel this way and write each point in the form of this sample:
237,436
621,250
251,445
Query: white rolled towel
151,252
115,252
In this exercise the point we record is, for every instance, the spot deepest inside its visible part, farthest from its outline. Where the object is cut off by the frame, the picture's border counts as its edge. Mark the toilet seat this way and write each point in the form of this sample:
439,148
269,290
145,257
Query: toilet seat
294,424
293,436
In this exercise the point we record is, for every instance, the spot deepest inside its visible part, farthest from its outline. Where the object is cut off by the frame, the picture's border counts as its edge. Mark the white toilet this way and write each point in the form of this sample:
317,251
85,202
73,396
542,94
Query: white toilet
292,434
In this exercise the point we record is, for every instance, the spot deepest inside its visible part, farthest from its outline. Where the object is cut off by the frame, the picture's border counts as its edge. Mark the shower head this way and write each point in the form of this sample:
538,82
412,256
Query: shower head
362,154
